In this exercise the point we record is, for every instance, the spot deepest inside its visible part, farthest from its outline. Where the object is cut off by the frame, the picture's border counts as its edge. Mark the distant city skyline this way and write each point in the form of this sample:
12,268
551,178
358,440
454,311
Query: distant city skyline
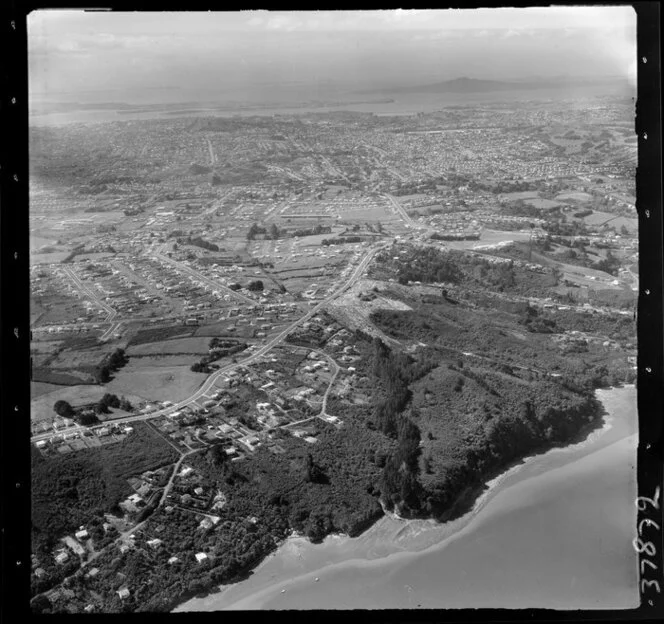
255,52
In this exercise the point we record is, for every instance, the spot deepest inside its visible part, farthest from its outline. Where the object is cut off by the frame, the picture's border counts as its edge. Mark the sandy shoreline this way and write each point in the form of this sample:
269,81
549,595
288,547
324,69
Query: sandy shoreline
396,542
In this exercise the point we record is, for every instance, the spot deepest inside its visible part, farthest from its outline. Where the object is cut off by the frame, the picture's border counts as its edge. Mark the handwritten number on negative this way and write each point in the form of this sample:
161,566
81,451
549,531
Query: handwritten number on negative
647,548
645,582
642,501
644,547
647,522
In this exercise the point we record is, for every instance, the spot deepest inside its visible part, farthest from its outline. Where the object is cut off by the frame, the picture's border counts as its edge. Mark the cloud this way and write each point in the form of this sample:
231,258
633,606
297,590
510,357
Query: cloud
283,22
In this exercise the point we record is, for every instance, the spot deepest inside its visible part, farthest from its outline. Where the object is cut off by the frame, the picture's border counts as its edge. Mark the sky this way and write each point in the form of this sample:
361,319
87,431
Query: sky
260,52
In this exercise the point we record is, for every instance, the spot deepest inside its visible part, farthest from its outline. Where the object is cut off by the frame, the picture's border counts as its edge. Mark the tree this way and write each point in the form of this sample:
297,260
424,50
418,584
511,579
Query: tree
41,604
64,409
102,374
256,285
117,359
557,274
218,455
312,472
87,418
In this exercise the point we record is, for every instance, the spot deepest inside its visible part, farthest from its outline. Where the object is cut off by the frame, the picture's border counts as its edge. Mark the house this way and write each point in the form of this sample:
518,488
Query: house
92,573
144,490
201,557
154,543
82,535
123,592
62,557
173,560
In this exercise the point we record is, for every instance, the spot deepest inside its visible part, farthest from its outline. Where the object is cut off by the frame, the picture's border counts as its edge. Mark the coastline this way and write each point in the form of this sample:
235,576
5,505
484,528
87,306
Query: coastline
415,530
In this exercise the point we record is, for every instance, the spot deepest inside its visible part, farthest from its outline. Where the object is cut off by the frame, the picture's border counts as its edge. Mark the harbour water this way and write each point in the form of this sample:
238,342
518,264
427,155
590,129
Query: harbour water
553,532
219,105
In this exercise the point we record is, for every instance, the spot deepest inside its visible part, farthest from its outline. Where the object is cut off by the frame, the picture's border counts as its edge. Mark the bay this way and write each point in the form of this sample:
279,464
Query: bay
553,532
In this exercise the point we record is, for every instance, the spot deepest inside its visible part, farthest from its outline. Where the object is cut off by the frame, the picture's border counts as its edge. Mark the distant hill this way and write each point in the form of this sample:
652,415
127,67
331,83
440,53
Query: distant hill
474,85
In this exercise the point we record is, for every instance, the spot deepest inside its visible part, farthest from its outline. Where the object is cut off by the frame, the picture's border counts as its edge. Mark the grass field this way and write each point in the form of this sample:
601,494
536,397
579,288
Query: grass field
631,224
155,383
221,329
520,195
160,333
542,203
39,388
170,347
48,258
43,396
166,360
368,214
576,195
83,358
63,377
598,218
617,221
44,347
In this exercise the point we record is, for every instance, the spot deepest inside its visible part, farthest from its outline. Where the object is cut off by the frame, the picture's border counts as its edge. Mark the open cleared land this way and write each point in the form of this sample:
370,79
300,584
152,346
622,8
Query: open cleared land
175,346
156,383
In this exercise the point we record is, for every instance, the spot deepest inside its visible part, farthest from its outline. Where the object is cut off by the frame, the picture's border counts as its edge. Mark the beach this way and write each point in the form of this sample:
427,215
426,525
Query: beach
553,532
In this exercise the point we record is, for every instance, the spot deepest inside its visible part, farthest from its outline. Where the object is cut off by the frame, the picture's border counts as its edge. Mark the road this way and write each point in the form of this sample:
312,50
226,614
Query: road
404,215
183,268
210,382
88,291
110,331
213,156
323,407
286,172
176,469
336,368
